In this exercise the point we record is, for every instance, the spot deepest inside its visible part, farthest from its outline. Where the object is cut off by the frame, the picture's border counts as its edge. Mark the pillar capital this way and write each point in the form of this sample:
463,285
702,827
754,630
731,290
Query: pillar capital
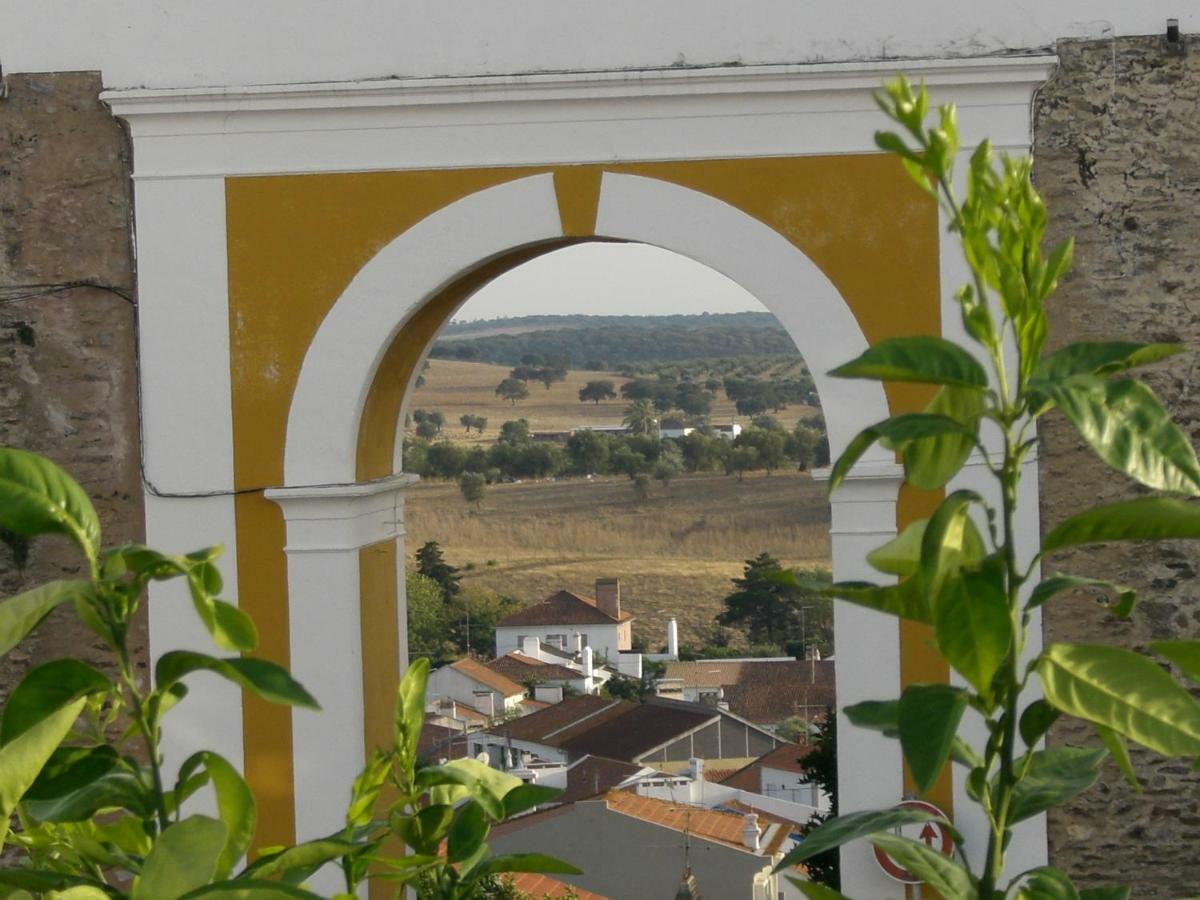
337,517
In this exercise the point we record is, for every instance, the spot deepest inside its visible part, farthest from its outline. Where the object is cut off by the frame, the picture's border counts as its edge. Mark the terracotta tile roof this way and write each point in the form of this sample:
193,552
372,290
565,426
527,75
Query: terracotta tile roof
532,706
539,886
749,778
518,667
550,725
640,729
712,824
477,671
594,775
438,742
764,691
775,837
563,608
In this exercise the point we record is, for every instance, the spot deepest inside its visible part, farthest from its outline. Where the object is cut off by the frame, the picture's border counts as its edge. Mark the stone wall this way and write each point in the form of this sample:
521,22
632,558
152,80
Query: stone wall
1117,156
68,372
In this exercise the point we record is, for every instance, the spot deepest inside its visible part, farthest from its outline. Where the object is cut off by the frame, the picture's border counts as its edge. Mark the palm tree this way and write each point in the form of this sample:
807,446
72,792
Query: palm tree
641,418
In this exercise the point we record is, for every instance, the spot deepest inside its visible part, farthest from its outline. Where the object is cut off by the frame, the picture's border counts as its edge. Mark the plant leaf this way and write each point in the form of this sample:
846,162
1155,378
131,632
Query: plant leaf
1036,720
1185,654
929,717
1047,588
906,599
927,360
895,432
1054,777
46,688
250,890
1123,691
259,676
1128,428
116,789
467,832
932,461
23,758
814,890
877,715
37,497
184,858
973,628
425,830
946,546
902,554
940,872
410,709
1046,883
1119,751
235,805
850,827
527,796
21,614
1144,519
306,856
1105,893
1098,358
69,769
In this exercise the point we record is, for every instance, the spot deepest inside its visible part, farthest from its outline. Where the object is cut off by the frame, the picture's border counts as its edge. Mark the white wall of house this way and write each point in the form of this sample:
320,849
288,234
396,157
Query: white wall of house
603,639
448,683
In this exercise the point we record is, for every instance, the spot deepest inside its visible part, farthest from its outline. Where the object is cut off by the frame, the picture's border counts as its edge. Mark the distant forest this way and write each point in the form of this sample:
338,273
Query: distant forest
608,342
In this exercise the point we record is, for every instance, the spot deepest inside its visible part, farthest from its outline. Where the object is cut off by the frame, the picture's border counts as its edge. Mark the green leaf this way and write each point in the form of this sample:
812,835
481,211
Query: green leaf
906,599
814,890
260,677
467,832
895,432
42,881
1123,691
46,688
21,614
424,830
250,890
483,784
932,461
1128,428
902,554
926,360
1098,358
235,805
410,709
1036,720
1049,587
850,827
118,788
1185,654
1053,778
80,892
973,628
1119,751
527,862
232,629
527,796
1046,883
23,758
929,717
37,497
308,856
940,872
948,543
1144,519
71,768
876,715
185,857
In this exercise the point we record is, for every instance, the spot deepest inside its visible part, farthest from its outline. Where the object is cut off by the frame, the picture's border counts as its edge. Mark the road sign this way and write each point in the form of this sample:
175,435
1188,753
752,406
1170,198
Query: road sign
932,834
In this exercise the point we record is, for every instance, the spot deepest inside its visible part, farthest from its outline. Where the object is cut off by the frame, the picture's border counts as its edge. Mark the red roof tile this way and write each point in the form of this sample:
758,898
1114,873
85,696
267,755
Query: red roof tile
477,671
539,886
594,775
563,608
764,691
548,726
518,667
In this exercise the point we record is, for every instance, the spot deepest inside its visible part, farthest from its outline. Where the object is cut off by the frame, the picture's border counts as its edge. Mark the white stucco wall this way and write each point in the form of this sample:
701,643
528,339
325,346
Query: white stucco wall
164,43
449,683
603,639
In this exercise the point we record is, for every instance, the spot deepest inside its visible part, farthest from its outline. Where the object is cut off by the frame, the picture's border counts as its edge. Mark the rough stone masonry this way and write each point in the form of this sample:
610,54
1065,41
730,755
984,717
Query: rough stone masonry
68,372
1117,157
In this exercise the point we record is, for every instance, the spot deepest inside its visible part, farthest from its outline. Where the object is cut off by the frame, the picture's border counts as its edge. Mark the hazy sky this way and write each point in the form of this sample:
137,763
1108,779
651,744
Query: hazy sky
608,279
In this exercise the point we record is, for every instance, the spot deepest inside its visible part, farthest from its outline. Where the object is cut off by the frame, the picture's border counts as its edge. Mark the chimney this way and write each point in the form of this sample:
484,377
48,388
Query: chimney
531,647
750,831
696,768
588,665
578,643
673,639
608,596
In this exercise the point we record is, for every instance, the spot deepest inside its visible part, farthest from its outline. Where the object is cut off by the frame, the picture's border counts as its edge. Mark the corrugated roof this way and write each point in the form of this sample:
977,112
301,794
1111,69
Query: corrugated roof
594,775
553,722
563,608
764,691
477,671
540,886
724,827
639,729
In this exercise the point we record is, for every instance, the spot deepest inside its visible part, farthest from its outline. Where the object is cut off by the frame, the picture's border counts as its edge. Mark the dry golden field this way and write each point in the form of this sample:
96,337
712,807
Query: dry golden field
458,388
675,553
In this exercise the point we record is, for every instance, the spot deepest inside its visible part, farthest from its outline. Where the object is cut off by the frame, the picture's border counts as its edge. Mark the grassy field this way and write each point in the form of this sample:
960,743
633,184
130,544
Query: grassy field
457,388
675,553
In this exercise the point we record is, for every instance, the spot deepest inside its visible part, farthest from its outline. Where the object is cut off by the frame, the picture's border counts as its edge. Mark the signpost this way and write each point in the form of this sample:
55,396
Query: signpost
932,834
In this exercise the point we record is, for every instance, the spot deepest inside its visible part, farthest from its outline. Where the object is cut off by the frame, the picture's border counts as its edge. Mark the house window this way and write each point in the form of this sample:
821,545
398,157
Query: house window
583,640
557,640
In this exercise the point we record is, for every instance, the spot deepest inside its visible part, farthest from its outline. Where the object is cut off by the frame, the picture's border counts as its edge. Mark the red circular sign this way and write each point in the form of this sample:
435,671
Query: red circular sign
932,834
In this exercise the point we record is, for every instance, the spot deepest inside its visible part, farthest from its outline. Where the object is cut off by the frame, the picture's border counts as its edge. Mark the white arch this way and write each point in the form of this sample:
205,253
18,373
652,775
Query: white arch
340,364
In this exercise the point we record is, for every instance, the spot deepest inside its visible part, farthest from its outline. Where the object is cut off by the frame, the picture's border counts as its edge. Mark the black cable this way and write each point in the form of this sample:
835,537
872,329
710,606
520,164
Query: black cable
42,290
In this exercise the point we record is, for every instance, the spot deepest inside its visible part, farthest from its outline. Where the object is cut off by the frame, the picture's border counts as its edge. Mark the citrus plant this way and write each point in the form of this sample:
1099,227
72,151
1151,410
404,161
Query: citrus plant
960,571
98,814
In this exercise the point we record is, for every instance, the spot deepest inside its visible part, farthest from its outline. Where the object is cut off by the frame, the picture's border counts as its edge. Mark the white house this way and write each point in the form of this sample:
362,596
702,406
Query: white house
569,621
472,684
